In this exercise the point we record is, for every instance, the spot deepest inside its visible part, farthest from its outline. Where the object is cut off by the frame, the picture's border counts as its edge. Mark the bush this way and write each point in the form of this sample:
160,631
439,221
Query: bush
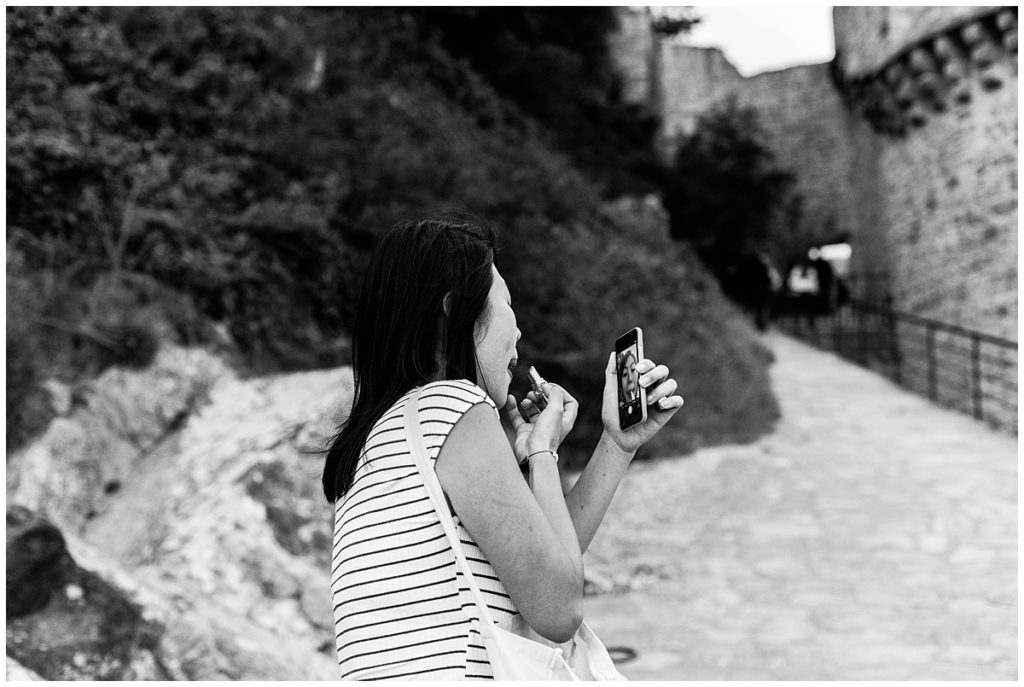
554,64
723,189
28,406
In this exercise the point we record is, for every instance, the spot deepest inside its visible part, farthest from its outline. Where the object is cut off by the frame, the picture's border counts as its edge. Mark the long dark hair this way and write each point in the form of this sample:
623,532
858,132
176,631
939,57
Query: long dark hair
401,324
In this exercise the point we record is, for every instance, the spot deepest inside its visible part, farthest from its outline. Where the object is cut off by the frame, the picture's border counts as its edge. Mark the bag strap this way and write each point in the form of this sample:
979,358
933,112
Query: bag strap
419,456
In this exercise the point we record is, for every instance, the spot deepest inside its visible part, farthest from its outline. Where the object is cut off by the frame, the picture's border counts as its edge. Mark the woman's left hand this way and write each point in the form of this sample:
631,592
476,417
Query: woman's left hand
523,427
662,404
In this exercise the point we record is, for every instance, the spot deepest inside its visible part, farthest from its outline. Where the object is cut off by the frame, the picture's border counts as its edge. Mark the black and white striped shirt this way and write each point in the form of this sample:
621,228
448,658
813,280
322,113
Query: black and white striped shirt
401,608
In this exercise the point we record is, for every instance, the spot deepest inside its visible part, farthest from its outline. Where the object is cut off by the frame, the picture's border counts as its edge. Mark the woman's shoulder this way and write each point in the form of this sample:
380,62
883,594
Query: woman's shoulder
458,394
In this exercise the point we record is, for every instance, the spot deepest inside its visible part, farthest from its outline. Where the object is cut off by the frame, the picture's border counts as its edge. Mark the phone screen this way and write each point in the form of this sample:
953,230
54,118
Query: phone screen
628,352
629,378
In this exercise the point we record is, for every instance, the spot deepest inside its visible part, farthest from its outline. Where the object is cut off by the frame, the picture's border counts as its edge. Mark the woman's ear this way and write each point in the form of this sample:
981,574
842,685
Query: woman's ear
446,304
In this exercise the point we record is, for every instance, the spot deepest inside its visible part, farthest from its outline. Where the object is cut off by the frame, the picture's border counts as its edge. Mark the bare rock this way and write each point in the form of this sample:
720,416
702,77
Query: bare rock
19,673
60,395
65,622
37,562
205,531
66,474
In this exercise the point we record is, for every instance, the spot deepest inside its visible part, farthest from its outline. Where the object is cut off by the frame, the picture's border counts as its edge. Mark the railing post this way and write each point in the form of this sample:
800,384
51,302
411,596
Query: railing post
837,333
862,349
894,343
976,374
932,390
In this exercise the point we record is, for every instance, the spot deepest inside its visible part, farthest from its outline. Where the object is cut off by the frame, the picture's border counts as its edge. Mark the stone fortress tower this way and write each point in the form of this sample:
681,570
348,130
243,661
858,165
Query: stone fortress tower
905,144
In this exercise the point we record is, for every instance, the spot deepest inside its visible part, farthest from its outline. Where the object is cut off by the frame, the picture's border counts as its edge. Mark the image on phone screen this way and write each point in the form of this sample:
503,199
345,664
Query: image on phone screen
629,378
629,351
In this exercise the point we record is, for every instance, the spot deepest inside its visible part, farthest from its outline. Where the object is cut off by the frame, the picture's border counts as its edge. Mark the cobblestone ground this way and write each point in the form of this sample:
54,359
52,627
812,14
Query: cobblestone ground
872,536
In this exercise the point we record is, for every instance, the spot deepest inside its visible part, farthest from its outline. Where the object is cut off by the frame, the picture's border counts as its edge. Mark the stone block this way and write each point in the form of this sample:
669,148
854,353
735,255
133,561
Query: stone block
905,94
929,85
1010,40
1006,20
894,73
983,54
954,70
973,33
921,61
946,49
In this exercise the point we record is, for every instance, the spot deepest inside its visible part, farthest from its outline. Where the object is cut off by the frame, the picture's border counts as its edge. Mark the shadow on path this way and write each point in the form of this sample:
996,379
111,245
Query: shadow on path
871,536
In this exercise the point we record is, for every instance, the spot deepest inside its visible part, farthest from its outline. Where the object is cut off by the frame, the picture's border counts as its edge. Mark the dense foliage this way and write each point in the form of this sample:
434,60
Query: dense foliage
554,64
219,175
150,149
724,190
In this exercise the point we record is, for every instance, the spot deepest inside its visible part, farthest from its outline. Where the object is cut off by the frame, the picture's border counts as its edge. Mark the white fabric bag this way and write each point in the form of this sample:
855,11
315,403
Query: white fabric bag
514,650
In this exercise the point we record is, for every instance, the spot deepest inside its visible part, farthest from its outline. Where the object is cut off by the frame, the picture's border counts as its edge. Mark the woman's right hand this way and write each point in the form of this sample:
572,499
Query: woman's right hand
546,429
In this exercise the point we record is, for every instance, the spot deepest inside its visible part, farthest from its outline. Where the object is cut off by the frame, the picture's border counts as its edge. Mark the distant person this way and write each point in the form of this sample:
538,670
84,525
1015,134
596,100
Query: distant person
826,281
747,278
842,292
434,342
764,283
804,290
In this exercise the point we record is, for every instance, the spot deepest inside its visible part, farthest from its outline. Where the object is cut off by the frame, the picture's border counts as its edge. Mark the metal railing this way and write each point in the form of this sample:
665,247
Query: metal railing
953,366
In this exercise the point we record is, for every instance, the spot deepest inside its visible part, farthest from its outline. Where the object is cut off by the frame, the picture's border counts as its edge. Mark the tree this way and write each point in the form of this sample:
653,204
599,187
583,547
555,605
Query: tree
673,21
723,188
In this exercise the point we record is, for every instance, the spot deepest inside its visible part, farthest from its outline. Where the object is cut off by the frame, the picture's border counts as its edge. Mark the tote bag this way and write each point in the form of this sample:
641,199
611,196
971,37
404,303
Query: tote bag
515,651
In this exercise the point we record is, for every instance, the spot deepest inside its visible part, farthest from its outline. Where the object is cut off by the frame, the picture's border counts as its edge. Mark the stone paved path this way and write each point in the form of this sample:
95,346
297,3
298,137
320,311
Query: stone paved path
871,536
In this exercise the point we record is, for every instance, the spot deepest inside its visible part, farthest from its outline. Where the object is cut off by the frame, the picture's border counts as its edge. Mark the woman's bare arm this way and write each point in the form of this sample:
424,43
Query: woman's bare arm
589,498
525,531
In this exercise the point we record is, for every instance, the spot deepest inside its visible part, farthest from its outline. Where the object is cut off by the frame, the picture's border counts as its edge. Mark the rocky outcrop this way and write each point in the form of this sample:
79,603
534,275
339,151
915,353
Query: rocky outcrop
930,73
115,422
178,518
65,622
19,673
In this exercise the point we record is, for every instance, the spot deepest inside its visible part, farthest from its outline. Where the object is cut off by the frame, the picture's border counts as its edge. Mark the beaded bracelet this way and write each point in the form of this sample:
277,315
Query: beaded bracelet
547,450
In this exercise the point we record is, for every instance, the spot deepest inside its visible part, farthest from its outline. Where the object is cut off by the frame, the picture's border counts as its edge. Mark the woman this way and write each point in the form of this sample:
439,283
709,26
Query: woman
435,317
628,376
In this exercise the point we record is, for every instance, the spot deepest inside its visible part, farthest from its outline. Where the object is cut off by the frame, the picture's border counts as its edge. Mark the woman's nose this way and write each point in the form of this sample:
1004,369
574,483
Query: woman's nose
519,335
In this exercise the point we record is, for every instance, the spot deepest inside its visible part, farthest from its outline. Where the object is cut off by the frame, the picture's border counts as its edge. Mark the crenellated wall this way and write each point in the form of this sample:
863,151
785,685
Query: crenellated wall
906,142
867,37
939,85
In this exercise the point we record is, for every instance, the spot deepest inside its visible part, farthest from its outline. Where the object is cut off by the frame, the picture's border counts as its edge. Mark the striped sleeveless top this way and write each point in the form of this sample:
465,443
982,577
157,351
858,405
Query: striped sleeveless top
401,607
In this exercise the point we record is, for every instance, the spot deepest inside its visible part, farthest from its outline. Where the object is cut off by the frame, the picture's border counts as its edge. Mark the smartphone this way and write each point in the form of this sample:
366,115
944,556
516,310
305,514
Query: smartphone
629,350
535,381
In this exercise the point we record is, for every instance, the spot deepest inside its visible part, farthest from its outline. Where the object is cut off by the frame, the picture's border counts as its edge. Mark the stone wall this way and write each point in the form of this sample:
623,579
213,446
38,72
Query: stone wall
945,108
952,214
632,49
692,79
907,142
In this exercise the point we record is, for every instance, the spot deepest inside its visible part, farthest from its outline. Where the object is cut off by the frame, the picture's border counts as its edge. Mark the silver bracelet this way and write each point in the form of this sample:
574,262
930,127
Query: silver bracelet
547,450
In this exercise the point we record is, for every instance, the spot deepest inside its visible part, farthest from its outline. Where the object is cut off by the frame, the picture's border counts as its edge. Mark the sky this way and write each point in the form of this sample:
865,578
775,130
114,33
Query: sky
759,39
